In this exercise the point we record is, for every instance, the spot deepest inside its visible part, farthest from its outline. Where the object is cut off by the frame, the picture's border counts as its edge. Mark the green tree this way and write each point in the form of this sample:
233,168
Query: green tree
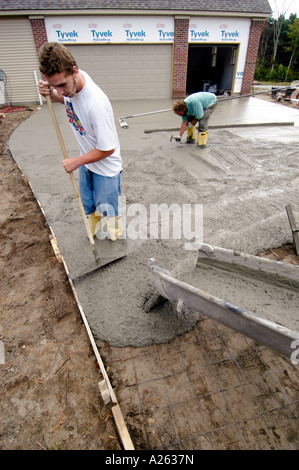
278,50
293,46
277,28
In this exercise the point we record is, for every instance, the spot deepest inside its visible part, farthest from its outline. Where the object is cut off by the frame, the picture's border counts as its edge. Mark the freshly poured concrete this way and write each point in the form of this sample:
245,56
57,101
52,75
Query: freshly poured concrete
244,179
254,282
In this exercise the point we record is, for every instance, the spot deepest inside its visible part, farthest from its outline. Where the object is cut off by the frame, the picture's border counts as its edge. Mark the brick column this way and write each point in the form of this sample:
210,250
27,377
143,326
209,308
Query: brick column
39,32
252,51
180,57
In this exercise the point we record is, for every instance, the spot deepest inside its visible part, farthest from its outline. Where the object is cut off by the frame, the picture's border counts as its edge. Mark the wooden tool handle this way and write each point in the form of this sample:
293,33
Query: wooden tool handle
65,155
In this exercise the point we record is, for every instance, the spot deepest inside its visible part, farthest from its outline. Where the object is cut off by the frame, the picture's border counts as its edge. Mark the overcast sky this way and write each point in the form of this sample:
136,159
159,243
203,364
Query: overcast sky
282,6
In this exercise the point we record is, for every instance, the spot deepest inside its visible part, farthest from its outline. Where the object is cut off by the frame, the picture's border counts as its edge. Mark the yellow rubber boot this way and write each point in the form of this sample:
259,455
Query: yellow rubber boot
114,227
109,227
93,219
191,135
202,139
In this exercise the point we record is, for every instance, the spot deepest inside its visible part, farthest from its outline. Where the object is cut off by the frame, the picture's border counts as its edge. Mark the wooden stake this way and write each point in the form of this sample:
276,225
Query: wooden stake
55,248
122,428
104,391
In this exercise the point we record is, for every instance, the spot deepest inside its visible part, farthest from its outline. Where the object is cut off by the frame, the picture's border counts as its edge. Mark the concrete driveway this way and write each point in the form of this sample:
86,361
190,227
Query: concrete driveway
182,383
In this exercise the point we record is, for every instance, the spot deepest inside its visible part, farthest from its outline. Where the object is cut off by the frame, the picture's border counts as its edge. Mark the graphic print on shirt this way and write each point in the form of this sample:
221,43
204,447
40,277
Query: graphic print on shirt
73,118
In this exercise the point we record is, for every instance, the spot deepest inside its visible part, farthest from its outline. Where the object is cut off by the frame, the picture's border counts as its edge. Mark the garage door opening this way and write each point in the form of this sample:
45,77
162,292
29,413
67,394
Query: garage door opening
211,68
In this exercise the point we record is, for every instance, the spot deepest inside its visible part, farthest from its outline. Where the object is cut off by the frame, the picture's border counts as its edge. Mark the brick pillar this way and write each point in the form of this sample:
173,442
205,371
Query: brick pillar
252,51
39,32
180,57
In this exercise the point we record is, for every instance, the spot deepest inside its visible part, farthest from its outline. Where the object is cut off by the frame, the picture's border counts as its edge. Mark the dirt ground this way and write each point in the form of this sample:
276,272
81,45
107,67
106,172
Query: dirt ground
268,97
49,375
49,379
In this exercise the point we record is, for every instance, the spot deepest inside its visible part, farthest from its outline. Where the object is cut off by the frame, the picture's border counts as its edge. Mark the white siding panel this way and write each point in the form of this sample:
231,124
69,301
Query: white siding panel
18,60
127,71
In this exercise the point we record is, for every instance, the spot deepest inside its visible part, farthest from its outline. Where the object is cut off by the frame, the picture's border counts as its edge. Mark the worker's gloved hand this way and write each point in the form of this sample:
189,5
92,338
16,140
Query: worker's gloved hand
190,125
178,139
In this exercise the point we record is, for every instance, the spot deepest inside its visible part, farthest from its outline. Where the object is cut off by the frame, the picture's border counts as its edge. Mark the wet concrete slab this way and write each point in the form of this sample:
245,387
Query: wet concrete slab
237,111
249,294
242,184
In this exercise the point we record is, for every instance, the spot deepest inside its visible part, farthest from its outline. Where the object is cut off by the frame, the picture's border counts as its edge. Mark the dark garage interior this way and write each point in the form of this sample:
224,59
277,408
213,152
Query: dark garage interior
211,68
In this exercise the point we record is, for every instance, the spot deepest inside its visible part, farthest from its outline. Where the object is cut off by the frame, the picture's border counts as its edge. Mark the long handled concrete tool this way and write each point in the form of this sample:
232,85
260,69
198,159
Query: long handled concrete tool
122,120
65,155
99,260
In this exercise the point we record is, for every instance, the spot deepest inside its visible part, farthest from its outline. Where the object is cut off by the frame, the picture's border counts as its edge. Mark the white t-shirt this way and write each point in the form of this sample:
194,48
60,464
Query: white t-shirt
91,117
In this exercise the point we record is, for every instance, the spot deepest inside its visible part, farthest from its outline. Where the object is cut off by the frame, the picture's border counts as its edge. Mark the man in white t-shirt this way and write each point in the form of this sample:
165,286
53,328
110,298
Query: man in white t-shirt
91,117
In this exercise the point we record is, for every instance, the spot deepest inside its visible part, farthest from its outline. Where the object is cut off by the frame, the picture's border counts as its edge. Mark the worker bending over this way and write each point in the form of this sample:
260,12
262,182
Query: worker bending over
197,107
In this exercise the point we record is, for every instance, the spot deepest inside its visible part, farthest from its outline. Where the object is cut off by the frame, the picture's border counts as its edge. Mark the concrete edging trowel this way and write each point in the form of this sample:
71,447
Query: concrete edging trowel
99,261
122,120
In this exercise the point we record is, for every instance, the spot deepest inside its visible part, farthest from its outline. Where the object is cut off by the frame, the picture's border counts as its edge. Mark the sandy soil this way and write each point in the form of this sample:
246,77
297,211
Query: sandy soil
49,377
49,392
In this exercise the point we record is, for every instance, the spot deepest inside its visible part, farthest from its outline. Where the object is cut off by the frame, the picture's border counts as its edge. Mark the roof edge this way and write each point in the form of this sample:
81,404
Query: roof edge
91,12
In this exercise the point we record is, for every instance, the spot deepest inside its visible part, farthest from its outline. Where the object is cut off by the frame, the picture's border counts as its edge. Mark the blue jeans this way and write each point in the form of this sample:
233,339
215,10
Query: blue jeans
99,192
